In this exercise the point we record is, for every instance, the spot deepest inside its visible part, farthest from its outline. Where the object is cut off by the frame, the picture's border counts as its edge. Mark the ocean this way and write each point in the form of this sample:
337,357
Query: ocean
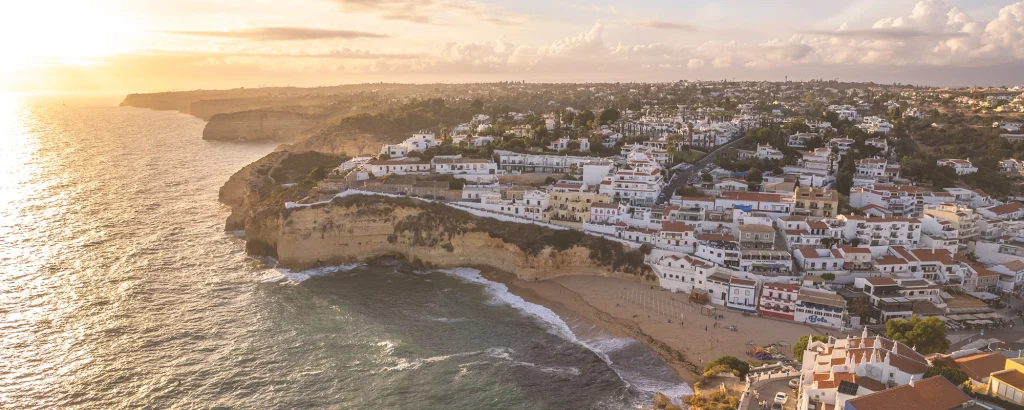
119,288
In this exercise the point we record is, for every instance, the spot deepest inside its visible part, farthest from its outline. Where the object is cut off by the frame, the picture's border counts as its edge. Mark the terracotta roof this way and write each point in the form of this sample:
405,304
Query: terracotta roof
980,366
851,249
817,225
605,205
793,218
1011,377
881,281
935,393
756,228
740,281
890,260
752,196
1006,208
715,237
676,227
1014,265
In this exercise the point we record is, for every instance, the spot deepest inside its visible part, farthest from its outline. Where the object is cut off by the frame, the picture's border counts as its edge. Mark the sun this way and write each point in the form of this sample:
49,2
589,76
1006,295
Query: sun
65,32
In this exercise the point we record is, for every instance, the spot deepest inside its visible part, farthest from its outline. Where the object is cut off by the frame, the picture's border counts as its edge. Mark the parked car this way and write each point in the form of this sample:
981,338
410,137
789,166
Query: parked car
776,406
794,383
781,397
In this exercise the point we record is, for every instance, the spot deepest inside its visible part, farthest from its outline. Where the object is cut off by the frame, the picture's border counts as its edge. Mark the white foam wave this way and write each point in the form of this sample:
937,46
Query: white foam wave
600,347
446,319
275,275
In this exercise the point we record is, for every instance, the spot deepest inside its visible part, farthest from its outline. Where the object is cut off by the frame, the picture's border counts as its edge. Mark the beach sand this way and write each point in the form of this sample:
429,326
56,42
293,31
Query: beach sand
626,308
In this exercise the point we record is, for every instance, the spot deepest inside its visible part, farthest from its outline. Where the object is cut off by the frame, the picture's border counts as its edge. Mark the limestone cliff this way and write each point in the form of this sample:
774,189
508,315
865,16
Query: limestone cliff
360,228
257,125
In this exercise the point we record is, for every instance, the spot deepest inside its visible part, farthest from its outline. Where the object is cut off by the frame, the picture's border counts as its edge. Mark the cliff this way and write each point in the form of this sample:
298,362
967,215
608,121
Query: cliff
359,228
257,125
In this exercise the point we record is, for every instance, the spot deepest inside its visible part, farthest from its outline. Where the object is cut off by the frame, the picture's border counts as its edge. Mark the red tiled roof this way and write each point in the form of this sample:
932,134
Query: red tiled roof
935,393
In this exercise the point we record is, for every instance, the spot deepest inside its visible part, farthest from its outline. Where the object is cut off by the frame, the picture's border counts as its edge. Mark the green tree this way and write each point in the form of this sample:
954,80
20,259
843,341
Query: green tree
828,276
317,174
717,399
755,176
609,116
801,345
941,368
924,335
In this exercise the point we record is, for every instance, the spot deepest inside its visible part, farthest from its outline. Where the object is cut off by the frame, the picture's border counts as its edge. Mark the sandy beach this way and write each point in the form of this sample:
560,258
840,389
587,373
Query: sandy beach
667,323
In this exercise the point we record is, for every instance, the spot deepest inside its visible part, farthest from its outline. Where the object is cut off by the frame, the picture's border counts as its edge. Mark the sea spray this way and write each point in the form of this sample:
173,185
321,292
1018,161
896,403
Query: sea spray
601,347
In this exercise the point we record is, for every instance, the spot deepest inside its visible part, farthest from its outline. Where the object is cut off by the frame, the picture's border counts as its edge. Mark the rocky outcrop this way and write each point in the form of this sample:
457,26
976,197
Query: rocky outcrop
351,144
257,125
360,228
245,189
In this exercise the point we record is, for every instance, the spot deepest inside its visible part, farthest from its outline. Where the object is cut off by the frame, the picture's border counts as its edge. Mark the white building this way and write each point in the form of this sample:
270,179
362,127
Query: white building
888,200
961,166
818,261
762,152
639,187
467,166
877,169
881,231
417,142
396,167
866,365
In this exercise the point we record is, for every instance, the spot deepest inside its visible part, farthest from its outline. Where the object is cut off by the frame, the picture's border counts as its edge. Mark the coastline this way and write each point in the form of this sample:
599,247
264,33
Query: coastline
612,305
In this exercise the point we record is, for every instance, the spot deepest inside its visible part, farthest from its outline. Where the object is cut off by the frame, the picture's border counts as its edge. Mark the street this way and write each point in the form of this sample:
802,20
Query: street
679,179
766,392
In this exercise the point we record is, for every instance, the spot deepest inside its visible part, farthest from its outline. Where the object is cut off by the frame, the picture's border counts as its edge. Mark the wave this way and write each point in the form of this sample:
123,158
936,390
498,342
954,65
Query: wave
601,347
281,275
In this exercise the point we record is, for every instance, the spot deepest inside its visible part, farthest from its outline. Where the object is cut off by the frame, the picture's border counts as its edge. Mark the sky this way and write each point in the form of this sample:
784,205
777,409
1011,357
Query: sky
146,45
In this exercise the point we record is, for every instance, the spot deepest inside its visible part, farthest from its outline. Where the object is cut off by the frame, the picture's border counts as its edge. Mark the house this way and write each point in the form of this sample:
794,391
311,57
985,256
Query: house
881,231
961,166
934,393
772,204
571,201
815,202
604,213
816,260
1011,166
835,372
800,231
676,236
800,140
879,143
979,366
856,259
731,184
396,167
820,308
896,201
887,302
843,145
877,169
639,186
753,236
762,152
1006,212
965,222
1008,384
471,166
778,300
742,294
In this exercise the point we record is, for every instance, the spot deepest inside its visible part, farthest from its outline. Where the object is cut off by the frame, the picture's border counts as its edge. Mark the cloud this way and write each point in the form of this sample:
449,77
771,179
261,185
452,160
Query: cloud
430,11
664,25
890,33
695,63
280,34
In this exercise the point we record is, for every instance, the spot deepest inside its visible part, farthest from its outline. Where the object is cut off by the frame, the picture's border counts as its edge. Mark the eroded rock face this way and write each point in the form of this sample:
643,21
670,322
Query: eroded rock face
258,125
361,228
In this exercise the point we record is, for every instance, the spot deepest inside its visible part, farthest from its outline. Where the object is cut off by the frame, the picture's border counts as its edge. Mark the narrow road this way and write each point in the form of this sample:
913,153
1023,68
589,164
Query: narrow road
679,179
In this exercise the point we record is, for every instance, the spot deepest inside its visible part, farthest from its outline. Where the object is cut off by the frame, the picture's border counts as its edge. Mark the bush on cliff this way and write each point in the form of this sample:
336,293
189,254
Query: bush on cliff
297,167
718,399
727,364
